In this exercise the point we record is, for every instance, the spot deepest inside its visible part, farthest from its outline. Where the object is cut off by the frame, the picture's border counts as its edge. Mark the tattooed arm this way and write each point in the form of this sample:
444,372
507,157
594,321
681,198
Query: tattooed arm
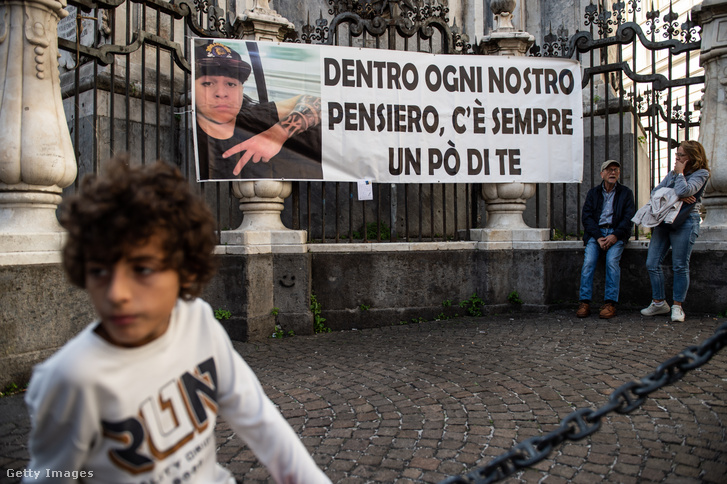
296,115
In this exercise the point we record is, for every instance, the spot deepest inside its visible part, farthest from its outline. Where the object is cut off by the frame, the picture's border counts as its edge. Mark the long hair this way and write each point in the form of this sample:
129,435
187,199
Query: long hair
697,156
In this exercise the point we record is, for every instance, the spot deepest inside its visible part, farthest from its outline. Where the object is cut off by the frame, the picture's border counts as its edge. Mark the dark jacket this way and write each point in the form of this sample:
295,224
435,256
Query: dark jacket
623,211
299,158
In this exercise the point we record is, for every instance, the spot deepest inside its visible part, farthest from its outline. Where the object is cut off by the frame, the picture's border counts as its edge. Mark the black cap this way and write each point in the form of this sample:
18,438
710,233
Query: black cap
215,59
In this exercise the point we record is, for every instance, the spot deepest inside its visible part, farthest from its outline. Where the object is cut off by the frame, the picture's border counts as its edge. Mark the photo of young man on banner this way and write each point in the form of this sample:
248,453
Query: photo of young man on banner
266,110
240,133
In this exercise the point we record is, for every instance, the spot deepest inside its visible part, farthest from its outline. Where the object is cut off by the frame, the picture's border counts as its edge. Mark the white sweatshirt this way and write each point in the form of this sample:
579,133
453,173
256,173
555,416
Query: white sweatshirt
103,413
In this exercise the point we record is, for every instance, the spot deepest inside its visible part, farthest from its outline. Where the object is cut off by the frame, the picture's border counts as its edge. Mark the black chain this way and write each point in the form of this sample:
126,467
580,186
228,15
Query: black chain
584,422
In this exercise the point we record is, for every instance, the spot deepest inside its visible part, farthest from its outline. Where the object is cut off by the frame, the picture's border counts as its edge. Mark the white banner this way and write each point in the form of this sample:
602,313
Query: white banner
349,114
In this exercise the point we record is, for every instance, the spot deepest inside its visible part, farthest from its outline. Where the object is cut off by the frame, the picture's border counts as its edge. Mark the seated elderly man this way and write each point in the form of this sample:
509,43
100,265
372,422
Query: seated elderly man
607,225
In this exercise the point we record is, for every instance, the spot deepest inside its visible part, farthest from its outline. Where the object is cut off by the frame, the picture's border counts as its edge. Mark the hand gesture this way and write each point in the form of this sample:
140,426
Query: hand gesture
261,147
680,164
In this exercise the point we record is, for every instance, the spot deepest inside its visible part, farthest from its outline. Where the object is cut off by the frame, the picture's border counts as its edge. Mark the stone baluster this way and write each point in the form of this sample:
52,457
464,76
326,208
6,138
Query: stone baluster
259,21
506,201
278,266
711,15
36,155
261,202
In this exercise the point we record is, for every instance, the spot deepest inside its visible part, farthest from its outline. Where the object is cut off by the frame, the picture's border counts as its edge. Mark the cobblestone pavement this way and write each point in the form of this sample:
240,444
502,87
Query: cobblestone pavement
420,402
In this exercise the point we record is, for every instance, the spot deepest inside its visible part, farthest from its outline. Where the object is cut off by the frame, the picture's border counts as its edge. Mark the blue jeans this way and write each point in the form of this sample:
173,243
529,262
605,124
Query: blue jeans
681,240
613,268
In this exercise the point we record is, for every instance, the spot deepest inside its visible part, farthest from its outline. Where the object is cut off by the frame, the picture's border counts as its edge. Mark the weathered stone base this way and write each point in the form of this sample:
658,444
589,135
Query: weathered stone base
358,286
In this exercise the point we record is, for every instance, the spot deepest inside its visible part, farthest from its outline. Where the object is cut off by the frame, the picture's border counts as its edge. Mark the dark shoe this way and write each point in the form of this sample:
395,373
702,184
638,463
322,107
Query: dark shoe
584,310
607,311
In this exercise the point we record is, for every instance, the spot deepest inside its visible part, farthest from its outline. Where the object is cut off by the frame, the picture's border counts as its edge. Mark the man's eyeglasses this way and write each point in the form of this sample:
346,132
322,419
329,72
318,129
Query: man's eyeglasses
612,170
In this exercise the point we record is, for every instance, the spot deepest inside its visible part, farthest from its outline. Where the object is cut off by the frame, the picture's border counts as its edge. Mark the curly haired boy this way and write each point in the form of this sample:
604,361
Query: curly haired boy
134,397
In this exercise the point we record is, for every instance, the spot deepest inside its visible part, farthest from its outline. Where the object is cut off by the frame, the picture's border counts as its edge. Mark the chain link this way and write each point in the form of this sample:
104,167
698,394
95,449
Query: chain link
585,421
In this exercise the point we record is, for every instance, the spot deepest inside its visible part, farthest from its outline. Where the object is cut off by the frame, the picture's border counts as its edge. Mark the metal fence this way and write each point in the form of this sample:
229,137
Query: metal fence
642,84
126,88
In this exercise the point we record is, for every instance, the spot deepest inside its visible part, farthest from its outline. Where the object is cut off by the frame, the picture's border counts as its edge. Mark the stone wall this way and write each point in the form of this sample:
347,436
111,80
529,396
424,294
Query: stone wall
358,286
40,312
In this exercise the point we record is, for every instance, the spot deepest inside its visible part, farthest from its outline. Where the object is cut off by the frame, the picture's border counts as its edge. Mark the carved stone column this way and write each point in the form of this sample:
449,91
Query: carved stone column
505,204
711,15
506,201
260,22
261,203
279,266
36,154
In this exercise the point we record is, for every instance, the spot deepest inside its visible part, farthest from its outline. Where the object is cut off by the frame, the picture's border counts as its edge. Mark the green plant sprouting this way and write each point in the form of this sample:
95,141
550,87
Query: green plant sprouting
372,231
473,305
447,303
514,298
280,333
222,314
12,389
318,320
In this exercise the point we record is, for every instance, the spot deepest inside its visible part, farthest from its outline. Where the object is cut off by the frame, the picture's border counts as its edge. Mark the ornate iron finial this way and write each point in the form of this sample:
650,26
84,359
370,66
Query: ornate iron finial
671,24
534,50
317,33
591,15
460,41
652,20
691,32
555,45
596,16
619,9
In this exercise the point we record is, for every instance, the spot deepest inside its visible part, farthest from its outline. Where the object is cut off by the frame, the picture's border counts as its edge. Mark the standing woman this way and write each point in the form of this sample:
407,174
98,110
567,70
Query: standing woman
688,178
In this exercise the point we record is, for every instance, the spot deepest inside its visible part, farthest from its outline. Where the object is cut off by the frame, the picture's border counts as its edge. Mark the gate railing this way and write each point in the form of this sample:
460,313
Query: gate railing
398,211
130,92
127,89
641,78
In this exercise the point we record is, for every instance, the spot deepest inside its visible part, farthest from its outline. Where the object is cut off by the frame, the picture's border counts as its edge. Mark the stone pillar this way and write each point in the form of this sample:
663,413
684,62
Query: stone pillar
261,203
281,266
711,15
36,155
260,22
506,201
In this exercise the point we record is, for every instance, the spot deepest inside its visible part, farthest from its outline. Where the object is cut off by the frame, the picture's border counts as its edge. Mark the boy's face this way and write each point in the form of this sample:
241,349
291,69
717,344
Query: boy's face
134,296
218,98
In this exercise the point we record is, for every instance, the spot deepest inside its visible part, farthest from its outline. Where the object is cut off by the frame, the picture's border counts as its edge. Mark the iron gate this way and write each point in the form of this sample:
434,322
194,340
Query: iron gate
126,88
640,81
